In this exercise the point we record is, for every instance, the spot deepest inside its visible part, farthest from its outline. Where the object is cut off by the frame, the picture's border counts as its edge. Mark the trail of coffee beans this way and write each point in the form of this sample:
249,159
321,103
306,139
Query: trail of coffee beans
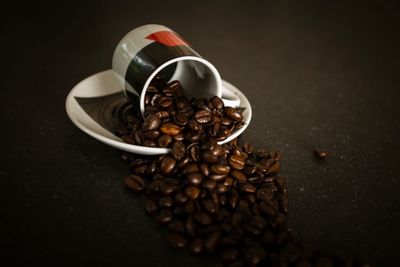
225,200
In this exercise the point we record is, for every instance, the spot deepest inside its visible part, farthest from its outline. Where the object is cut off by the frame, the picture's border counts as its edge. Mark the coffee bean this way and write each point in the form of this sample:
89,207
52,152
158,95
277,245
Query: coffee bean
208,156
151,122
165,216
170,128
211,241
216,102
164,140
151,207
190,168
178,150
181,198
203,116
239,176
195,178
209,184
203,218
248,188
236,162
165,102
192,191
180,119
167,189
197,246
321,154
166,202
220,168
204,169
232,114
134,182
167,164
176,240
177,225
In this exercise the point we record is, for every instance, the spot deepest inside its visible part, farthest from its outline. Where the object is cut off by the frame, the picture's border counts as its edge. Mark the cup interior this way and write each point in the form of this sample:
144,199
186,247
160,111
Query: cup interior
198,77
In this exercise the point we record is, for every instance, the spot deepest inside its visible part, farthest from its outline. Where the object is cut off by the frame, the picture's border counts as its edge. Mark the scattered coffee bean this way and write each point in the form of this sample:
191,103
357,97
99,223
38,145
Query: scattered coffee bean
321,154
134,182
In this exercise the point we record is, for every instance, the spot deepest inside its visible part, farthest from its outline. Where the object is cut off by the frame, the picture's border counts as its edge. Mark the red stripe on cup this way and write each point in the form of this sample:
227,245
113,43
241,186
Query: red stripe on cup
168,38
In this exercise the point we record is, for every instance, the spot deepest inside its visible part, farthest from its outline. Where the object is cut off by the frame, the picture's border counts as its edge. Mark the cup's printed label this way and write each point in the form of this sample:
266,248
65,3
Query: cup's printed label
165,46
168,38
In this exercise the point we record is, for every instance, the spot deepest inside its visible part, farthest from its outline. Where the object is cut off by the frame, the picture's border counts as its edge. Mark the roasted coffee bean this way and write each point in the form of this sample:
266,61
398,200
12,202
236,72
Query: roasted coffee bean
178,150
239,176
217,102
236,162
321,154
232,114
248,148
220,168
176,240
177,225
151,207
211,241
203,218
197,246
167,189
149,143
221,188
164,140
166,202
151,122
181,198
134,182
204,169
170,128
248,188
165,216
208,156
162,114
192,191
180,119
203,116
190,168
152,134
209,184
195,178
167,164
195,126
165,102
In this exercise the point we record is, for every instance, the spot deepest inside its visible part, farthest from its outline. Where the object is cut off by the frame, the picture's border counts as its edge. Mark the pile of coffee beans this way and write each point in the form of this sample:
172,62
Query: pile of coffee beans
223,200
170,117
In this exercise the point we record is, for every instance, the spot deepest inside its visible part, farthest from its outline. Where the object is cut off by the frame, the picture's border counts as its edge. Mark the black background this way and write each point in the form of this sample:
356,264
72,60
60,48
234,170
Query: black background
317,73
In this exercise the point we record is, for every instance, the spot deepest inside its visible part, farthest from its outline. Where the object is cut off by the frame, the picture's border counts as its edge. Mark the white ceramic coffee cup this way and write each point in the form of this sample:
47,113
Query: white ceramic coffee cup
152,50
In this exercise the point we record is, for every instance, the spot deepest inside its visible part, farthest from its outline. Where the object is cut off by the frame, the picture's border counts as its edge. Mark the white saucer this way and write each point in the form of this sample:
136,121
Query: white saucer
105,83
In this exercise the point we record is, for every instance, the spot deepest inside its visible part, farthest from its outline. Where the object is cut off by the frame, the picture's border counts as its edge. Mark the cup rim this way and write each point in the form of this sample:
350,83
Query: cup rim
169,62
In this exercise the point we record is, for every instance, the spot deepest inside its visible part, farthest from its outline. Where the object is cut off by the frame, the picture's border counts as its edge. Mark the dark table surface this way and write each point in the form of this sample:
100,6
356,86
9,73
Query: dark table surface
317,75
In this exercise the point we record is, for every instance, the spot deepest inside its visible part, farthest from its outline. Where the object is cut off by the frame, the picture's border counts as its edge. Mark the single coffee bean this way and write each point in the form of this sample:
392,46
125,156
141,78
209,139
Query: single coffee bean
203,116
152,134
190,168
248,188
236,162
232,114
170,128
165,102
209,184
166,202
167,189
208,157
151,207
321,154
195,126
220,168
181,198
176,240
197,246
152,122
203,218
180,119
195,178
211,241
164,140
177,226
217,102
165,216
204,169
167,164
239,176
178,150
134,182
192,191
